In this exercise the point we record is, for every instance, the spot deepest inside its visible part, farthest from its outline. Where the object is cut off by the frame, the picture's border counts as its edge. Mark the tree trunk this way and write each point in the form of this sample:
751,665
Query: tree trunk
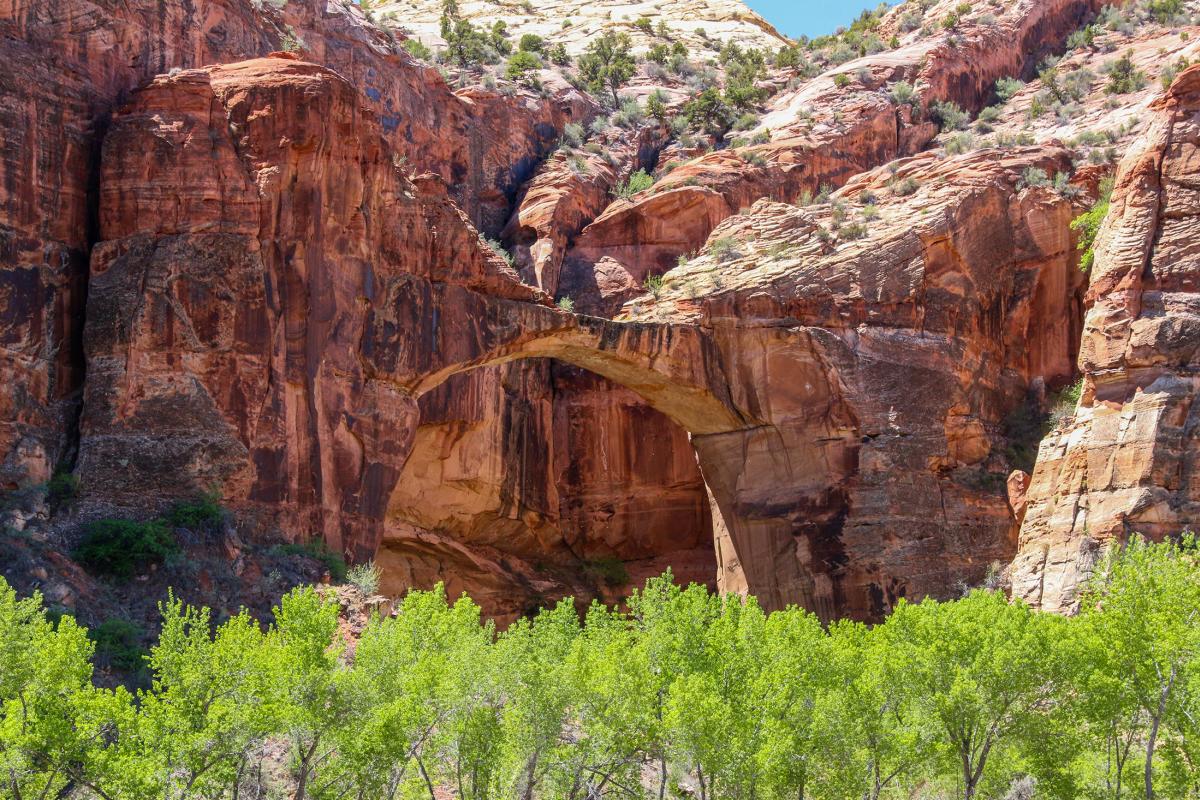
428,782
1153,736
530,770
305,760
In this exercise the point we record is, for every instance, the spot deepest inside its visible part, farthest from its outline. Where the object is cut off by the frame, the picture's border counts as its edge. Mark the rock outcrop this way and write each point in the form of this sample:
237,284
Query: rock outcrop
700,24
839,124
252,221
1124,463
881,369
69,63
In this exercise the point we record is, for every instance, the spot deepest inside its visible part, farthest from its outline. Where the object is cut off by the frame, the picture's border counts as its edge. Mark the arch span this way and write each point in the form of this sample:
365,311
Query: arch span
770,438
678,369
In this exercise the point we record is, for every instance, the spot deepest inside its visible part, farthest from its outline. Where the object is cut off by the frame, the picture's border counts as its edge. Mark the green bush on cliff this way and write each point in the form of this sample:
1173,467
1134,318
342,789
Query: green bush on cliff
1087,225
204,512
365,577
639,181
1123,76
119,548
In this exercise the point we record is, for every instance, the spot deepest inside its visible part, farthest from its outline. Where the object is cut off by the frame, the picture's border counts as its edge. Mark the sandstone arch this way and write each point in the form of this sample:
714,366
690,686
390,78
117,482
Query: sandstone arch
676,368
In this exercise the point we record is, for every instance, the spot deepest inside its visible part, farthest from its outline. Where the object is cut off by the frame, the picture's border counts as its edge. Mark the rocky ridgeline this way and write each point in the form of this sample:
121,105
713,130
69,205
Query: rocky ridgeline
798,354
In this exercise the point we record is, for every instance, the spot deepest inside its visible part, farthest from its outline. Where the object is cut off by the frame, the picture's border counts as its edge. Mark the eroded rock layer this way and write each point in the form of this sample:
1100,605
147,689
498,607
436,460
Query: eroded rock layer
882,370
69,63
1124,463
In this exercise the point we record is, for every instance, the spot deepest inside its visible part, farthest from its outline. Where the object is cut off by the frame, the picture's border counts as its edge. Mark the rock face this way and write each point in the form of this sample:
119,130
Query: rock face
881,371
70,62
252,219
264,273
1124,463
832,127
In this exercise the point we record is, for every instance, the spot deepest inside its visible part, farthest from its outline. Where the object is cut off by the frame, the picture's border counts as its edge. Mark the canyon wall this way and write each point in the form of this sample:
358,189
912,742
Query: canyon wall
69,63
1123,462
264,273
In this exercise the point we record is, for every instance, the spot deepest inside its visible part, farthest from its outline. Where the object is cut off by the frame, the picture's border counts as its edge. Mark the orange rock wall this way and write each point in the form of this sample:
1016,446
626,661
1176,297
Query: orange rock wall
1124,463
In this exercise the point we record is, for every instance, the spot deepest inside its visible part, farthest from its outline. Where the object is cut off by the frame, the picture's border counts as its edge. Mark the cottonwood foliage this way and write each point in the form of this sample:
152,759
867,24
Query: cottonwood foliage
682,694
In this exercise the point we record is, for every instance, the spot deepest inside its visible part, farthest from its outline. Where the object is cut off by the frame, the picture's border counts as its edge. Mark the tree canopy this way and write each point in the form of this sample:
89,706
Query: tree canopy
681,693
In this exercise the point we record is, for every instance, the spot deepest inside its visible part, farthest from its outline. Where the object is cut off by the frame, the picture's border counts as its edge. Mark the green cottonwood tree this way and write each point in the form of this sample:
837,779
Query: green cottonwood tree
200,724
48,733
1142,617
879,736
982,673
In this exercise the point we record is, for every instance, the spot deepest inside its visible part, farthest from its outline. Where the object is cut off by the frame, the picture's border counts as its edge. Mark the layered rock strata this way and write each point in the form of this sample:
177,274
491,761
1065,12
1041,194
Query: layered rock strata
1123,464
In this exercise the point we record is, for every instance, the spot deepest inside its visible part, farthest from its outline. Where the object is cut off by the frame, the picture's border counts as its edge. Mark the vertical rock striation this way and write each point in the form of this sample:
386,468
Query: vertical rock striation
1124,463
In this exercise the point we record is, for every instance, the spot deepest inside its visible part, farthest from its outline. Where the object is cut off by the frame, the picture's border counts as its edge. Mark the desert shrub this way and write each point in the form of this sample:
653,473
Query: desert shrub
531,43
745,122
365,577
855,230
203,512
960,142
630,115
497,248
989,114
902,93
566,304
753,158
638,182
574,135
417,50
118,548
1007,87
521,66
788,57
724,248
911,20
1167,76
1123,76
1082,38
654,285
290,42
1165,12
949,115
578,164
709,112
608,64
906,186
1033,177
1063,402
841,80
